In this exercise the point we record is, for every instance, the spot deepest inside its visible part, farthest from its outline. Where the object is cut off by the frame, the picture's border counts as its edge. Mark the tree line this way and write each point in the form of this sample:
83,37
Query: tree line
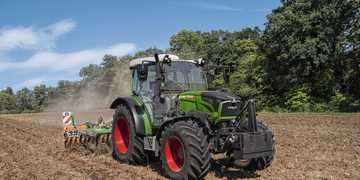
305,59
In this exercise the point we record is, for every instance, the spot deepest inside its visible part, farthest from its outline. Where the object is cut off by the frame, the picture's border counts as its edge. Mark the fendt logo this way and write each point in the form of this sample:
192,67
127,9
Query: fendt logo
232,107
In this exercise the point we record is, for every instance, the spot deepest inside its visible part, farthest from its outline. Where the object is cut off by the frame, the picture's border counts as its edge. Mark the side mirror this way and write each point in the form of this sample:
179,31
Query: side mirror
142,70
200,62
167,60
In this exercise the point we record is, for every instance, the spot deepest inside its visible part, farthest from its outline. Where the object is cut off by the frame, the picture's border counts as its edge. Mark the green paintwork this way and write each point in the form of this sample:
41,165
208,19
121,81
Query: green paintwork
97,131
191,101
147,120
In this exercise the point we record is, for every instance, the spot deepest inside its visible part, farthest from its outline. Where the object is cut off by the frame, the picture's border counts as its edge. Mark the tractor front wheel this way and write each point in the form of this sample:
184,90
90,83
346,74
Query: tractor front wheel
185,150
128,147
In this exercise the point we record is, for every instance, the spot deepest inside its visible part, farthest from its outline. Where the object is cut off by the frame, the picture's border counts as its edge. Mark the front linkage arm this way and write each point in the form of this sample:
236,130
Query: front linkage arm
251,115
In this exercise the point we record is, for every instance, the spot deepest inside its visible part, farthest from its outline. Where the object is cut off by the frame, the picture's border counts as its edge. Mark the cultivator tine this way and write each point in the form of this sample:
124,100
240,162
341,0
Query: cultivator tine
72,140
82,140
99,139
69,141
108,140
88,139
66,142
104,139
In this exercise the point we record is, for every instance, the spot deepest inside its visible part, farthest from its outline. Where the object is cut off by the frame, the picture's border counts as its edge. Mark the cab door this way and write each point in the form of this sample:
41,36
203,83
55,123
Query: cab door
144,89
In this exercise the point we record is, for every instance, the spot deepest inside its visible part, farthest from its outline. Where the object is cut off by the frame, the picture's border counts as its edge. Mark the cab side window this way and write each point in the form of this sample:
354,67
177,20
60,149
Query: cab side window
135,83
145,87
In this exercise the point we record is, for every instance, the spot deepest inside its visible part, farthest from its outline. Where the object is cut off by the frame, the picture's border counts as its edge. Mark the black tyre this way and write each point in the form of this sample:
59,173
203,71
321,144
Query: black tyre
127,146
184,151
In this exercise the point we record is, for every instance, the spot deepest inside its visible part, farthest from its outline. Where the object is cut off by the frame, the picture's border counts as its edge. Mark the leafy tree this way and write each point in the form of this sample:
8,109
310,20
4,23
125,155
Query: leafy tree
147,52
108,61
247,80
90,72
311,44
7,103
40,95
299,100
24,100
8,90
186,44
217,47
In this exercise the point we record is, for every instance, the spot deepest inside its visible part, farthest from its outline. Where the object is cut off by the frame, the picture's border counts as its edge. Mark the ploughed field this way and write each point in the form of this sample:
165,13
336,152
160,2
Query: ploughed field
309,146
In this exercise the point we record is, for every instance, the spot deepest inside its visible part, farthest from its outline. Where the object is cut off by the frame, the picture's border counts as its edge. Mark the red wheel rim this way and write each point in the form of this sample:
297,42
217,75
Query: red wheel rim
174,154
122,135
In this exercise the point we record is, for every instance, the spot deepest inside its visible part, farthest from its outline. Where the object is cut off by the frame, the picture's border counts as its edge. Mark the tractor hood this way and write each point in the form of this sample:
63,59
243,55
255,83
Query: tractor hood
220,104
218,98
219,95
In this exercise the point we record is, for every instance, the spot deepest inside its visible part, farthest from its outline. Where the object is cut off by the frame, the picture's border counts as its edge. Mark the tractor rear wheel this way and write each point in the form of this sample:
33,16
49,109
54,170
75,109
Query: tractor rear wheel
184,151
128,147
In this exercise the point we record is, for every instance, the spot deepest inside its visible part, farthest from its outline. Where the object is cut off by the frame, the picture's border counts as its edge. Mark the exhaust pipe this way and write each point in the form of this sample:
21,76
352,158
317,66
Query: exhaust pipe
252,116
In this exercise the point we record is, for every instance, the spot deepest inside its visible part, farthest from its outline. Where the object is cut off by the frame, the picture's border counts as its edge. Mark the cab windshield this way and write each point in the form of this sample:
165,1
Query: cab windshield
181,76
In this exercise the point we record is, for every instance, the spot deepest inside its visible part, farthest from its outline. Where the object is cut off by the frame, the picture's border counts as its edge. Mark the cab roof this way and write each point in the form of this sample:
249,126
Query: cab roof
138,61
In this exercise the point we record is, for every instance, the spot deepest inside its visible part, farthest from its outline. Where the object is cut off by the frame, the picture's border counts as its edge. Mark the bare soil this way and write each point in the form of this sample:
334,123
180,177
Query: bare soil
309,146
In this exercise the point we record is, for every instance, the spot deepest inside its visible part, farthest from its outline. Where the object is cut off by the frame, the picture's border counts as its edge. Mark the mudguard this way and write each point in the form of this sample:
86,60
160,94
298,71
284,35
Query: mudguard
136,111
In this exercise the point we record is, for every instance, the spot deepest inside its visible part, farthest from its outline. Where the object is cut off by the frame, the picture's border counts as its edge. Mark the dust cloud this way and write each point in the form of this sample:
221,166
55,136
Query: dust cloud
96,96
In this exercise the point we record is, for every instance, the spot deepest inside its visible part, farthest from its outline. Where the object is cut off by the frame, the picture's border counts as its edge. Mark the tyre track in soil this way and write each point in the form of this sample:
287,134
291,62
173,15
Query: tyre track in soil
309,146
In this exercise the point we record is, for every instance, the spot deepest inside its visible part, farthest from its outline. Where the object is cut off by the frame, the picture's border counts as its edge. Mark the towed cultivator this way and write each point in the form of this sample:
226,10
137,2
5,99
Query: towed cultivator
87,134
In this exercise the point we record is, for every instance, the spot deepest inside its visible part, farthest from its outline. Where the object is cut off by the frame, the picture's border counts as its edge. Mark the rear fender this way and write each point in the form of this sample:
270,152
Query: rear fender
136,111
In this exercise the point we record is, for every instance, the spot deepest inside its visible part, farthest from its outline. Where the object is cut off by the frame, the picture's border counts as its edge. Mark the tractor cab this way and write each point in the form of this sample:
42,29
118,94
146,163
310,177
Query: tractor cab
178,75
175,76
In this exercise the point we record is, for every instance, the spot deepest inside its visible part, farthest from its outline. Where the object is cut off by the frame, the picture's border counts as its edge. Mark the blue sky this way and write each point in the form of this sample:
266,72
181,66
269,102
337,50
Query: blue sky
44,41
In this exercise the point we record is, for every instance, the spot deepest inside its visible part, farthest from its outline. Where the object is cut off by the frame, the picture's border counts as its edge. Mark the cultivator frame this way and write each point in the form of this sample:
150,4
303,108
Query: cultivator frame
86,134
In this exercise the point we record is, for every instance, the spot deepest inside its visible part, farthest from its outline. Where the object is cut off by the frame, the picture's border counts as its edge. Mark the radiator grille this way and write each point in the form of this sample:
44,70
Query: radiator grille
230,108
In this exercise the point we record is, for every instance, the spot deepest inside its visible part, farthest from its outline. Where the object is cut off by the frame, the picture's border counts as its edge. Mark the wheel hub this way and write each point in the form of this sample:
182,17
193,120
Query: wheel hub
122,135
174,154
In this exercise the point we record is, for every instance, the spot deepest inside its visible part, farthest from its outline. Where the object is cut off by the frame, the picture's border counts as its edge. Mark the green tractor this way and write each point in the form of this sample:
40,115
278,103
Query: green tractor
172,115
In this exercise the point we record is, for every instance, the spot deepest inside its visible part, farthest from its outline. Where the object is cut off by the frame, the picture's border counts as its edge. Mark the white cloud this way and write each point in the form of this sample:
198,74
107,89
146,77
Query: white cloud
17,38
53,61
60,28
45,62
33,82
32,38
